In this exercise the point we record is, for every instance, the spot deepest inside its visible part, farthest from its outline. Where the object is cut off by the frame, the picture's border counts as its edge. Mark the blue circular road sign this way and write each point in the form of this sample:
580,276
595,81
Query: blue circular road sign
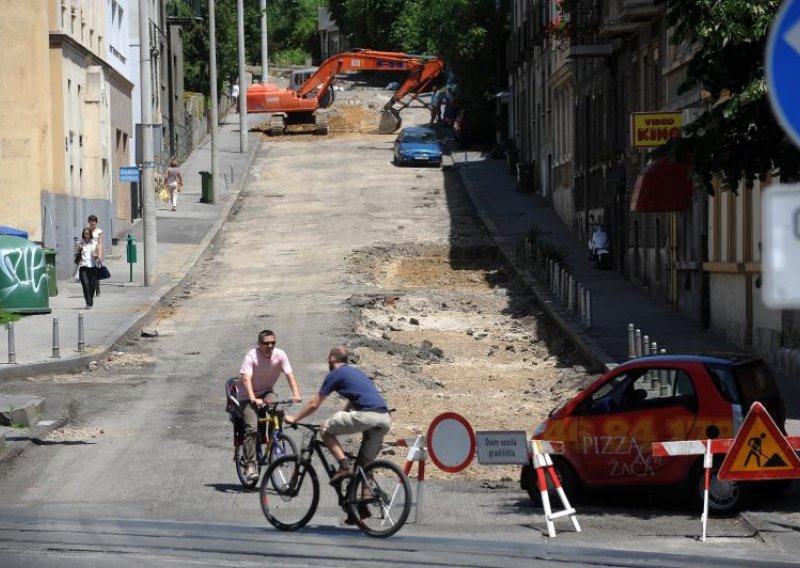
783,68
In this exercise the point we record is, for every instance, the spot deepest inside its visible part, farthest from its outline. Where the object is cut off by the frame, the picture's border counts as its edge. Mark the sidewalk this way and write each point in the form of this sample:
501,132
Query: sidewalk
616,302
183,236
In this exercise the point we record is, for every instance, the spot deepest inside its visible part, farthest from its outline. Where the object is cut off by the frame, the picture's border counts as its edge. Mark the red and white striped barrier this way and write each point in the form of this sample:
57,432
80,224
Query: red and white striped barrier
706,448
417,452
540,451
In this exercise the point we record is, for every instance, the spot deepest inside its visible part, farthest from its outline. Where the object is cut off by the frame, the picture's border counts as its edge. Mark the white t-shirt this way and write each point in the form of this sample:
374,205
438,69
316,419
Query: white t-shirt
88,253
235,91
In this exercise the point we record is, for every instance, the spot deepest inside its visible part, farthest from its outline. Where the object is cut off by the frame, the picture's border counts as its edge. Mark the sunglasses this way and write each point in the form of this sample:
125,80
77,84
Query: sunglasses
270,343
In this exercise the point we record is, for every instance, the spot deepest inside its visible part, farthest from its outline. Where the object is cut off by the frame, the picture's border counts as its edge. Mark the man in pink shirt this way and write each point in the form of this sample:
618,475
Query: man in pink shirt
261,369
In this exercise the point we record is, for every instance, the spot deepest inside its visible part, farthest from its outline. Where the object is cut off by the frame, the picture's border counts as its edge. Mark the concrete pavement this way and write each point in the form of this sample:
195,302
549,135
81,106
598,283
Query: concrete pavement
125,303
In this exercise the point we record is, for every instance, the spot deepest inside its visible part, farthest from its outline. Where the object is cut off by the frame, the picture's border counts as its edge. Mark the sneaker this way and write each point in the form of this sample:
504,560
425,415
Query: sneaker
250,472
341,475
88,307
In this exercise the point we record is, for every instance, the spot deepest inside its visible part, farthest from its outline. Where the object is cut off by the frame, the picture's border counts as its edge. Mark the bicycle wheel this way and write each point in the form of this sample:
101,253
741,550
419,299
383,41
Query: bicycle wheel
379,499
240,466
289,493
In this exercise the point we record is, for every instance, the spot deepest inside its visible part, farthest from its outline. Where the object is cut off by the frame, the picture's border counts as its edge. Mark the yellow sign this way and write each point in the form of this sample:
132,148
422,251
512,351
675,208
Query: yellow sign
652,129
760,451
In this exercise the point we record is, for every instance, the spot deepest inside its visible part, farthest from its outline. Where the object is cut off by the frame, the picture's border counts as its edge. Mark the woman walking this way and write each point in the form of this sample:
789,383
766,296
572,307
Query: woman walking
174,181
87,265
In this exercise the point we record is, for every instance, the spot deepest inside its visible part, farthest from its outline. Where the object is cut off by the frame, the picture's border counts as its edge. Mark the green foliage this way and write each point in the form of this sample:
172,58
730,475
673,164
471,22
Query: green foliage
291,27
290,57
739,137
6,316
469,35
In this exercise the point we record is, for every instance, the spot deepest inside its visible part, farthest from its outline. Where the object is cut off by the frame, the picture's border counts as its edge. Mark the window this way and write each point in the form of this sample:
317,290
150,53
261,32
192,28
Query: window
643,389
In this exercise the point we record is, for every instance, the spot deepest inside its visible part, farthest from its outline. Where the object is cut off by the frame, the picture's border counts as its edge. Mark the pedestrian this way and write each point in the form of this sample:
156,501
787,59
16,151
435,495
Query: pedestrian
174,182
260,370
87,265
235,95
436,106
97,235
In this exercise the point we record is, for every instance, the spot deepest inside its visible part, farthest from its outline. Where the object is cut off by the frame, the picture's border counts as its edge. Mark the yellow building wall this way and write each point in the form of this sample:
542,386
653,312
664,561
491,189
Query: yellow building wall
25,102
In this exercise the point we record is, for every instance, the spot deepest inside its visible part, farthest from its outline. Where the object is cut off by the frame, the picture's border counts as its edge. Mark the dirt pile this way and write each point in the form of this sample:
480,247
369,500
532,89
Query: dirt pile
458,333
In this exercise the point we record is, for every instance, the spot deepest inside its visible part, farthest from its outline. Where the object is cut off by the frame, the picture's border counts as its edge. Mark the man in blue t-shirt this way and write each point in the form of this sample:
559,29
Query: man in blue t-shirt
365,412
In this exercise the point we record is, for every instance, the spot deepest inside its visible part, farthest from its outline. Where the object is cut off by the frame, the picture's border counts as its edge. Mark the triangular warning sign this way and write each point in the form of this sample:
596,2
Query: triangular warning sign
759,451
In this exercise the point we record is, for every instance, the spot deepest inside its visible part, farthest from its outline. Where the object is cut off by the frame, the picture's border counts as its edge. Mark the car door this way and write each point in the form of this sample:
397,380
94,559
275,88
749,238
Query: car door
620,420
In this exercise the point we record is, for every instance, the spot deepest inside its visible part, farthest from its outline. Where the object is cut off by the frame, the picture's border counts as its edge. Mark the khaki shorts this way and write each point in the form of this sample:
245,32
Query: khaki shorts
374,426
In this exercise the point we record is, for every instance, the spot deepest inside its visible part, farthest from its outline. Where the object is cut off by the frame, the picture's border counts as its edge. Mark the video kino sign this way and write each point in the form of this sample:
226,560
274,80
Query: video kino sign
652,129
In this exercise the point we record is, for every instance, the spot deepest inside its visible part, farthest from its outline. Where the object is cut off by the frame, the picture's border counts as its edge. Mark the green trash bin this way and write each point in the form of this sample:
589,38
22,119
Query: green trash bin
50,263
24,284
207,195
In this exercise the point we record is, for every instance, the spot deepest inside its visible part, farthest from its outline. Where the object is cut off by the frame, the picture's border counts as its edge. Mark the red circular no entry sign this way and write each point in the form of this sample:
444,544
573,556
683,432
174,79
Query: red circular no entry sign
451,442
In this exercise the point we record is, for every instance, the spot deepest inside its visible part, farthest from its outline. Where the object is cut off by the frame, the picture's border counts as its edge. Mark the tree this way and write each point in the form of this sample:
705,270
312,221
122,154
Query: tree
292,28
738,138
469,35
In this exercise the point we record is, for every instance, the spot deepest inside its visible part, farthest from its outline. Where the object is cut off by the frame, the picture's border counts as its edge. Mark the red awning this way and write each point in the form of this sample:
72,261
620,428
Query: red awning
664,186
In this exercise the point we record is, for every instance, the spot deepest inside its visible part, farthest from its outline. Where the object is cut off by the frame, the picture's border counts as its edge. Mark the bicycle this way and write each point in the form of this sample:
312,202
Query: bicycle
377,497
271,442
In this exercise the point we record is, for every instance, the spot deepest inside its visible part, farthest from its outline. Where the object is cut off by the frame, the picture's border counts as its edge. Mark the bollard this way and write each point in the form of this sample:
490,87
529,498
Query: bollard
654,348
12,344
663,351
638,342
588,308
581,303
81,343
631,341
645,345
571,295
56,348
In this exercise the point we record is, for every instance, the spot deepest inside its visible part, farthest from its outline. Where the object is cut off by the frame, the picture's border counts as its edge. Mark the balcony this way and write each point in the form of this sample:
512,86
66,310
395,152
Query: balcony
617,28
642,10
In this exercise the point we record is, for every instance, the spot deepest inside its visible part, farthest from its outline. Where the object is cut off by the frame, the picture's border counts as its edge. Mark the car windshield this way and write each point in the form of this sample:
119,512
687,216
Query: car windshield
419,137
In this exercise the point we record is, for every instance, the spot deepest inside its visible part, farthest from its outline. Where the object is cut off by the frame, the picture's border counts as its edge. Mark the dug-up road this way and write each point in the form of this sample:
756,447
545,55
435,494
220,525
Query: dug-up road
328,243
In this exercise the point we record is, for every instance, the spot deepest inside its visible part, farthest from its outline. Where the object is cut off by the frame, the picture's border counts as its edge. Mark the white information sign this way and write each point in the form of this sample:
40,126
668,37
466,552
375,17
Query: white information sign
780,207
502,447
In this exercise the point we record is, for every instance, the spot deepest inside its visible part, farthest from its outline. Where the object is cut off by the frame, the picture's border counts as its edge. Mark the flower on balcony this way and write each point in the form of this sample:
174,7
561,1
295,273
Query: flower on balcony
559,28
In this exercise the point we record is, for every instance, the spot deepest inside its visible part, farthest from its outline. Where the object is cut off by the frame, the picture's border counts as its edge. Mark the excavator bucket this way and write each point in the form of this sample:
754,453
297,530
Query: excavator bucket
390,121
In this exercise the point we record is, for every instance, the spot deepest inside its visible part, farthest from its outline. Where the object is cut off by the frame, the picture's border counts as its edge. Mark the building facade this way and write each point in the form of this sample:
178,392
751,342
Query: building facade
594,86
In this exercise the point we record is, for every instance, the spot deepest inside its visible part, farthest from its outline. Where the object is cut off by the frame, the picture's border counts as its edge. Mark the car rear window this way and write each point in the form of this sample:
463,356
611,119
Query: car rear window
755,383
418,138
744,384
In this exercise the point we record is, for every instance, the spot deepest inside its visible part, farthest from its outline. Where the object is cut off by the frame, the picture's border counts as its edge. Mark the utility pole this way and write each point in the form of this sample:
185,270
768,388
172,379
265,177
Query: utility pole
264,46
212,64
148,164
242,79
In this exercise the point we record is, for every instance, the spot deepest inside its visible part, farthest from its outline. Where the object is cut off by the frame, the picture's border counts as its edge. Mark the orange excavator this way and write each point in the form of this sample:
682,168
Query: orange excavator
301,109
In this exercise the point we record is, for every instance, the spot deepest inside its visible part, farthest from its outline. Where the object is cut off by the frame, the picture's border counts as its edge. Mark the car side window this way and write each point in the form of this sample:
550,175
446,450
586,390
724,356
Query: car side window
643,389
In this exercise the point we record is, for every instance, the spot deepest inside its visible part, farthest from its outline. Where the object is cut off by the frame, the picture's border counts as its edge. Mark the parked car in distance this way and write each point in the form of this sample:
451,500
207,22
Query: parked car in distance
417,145
608,428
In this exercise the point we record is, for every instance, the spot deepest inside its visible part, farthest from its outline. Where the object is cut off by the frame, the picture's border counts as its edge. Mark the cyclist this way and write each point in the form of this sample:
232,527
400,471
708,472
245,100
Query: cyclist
365,412
260,370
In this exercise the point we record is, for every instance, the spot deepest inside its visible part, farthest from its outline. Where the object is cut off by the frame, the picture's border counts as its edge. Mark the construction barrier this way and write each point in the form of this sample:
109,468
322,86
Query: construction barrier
758,438
417,452
540,451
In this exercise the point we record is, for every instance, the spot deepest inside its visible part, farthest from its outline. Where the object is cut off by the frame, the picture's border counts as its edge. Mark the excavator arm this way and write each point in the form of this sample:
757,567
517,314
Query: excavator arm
311,95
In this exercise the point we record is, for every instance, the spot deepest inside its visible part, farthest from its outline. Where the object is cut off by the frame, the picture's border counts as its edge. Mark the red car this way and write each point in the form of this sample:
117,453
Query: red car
608,427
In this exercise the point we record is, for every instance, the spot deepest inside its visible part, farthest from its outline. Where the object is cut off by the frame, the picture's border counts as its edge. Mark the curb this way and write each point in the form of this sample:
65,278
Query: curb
590,349
151,303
